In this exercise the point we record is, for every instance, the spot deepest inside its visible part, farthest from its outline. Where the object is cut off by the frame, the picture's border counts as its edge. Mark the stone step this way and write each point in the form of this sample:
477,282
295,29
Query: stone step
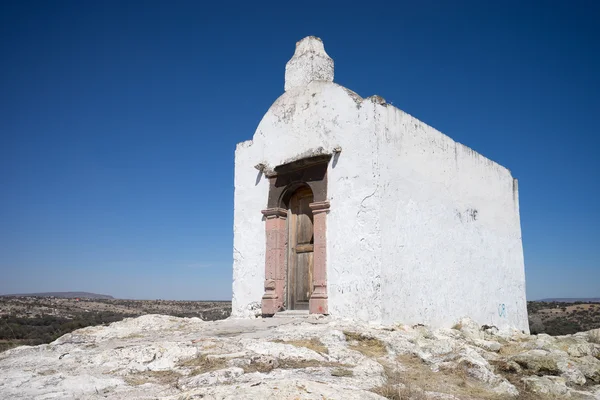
292,314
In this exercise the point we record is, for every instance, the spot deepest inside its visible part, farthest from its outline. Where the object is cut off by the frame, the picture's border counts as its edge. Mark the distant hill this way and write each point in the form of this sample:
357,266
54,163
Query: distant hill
573,300
64,295
563,316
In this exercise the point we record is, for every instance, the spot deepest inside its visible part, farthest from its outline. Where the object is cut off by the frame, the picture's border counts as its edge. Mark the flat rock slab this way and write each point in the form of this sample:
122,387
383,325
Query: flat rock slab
163,357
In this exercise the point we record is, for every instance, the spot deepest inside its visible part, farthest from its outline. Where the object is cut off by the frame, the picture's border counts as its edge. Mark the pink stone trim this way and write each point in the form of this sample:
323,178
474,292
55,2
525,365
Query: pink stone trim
275,212
319,206
276,241
276,250
318,300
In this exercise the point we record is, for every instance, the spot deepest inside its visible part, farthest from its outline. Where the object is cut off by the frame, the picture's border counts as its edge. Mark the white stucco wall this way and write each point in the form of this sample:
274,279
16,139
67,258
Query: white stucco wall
421,229
250,197
450,229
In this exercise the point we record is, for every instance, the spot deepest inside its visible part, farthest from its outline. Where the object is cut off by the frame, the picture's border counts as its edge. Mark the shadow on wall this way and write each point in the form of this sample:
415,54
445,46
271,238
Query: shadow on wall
336,156
258,178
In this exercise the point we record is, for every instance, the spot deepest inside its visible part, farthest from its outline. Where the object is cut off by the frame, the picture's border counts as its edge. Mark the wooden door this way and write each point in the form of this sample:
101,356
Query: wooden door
300,250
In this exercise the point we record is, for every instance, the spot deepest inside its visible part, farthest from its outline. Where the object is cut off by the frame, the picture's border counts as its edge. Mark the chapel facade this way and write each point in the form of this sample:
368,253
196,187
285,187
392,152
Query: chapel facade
350,207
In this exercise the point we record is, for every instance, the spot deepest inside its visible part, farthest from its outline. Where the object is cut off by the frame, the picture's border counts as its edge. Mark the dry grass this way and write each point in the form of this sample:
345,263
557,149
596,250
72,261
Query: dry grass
416,377
458,326
7,345
509,371
399,392
260,366
369,346
202,363
570,309
461,373
290,363
506,367
293,363
396,387
47,372
341,372
134,336
313,344
594,336
511,349
168,378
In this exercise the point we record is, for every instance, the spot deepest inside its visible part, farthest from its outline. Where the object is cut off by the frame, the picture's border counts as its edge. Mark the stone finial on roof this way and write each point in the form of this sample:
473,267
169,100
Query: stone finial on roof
309,63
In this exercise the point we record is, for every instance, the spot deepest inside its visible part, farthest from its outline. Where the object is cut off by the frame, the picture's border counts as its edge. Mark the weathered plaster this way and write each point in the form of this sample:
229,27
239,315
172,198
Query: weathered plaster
309,63
421,229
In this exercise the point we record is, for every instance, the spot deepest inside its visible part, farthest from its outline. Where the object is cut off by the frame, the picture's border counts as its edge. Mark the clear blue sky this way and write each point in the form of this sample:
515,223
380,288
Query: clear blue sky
118,123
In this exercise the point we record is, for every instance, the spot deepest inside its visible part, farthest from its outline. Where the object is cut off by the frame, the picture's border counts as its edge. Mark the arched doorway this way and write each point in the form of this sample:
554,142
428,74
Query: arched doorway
300,249
295,227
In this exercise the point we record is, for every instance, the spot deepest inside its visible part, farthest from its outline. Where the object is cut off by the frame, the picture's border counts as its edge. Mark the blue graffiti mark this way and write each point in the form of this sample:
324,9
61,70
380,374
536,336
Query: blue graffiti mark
502,310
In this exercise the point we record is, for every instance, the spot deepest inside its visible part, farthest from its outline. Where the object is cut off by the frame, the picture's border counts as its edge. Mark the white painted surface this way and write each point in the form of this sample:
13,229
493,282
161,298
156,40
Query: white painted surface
250,197
421,229
309,63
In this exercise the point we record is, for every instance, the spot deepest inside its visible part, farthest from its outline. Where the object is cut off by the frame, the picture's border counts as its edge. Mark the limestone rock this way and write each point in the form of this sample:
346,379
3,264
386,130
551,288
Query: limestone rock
218,377
160,357
489,345
571,373
470,329
590,367
593,393
546,385
537,361
281,389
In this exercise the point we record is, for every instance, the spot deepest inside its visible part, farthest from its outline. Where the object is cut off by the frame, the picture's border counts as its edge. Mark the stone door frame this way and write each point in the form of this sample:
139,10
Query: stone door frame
285,180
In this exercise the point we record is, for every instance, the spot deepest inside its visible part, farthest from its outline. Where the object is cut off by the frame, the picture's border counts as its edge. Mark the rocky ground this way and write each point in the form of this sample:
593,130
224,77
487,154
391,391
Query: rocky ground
163,357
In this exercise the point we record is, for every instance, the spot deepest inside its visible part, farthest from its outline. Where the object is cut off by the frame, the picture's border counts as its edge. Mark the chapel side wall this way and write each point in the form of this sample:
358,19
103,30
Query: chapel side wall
250,197
450,228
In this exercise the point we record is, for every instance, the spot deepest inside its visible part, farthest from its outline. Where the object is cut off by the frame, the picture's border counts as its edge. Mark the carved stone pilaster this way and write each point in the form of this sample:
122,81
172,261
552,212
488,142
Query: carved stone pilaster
276,241
318,300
